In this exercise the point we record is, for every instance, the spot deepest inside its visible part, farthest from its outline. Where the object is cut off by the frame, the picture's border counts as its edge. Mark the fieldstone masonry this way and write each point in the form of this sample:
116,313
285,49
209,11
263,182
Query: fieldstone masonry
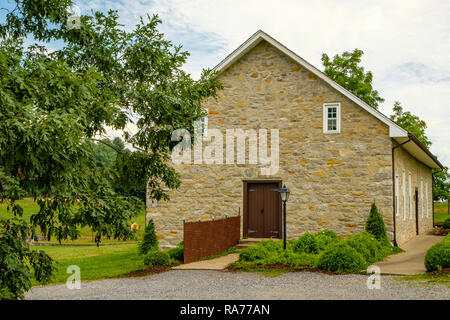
333,177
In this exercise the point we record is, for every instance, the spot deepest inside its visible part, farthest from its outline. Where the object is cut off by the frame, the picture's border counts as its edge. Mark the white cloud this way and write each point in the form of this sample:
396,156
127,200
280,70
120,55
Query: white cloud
406,43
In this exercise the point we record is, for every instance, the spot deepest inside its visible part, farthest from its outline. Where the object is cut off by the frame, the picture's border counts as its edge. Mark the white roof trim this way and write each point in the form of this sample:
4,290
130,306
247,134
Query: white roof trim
394,129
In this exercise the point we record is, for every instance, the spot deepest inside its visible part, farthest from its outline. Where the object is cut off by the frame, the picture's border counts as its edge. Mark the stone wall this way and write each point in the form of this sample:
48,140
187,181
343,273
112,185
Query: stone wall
421,179
333,177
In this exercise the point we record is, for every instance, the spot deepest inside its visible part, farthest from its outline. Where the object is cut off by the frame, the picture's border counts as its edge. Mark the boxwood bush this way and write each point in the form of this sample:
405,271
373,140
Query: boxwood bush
438,256
253,253
368,246
341,258
375,224
149,240
177,253
157,258
307,243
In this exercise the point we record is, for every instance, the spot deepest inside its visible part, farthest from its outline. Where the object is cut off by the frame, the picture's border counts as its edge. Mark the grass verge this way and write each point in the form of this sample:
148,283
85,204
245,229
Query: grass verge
435,277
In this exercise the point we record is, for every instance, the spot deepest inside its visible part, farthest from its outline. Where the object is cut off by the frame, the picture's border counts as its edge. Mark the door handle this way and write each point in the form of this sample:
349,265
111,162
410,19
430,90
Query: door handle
262,210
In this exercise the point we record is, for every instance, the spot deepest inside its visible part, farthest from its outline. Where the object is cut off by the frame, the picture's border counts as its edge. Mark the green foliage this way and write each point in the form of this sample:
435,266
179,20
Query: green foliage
307,243
253,253
53,105
341,258
411,123
157,258
177,253
438,256
325,238
446,223
271,245
441,184
345,70
18,263
149,241
375,224
368,246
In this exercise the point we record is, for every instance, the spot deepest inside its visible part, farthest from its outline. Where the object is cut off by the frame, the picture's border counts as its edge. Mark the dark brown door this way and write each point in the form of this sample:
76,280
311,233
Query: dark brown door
263,210
417,211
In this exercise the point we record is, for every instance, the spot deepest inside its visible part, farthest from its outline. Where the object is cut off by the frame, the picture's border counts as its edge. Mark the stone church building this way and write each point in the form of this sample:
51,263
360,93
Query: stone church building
336,154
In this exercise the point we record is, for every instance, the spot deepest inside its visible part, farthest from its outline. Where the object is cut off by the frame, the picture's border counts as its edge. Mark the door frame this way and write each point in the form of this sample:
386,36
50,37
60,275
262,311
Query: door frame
245,206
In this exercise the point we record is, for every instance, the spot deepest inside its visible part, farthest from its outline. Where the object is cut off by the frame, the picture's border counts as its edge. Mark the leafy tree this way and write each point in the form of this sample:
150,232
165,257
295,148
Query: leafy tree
441,184
105,151
416,126
54,104
346,71
410,123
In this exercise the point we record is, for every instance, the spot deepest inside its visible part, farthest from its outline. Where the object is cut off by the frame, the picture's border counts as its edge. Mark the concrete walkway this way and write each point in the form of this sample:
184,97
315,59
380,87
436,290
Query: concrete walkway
412,260
213,264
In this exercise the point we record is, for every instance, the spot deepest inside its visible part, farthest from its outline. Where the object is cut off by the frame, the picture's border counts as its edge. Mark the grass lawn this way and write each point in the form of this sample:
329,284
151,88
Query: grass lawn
30,207
440,212
434,278
95,262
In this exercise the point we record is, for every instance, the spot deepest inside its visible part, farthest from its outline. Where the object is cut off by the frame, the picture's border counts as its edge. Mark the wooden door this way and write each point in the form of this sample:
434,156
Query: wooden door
263,210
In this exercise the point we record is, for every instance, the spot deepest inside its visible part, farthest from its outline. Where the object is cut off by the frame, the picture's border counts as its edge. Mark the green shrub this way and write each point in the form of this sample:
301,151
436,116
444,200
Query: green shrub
149,240
367,245
271,245
253,253
375,224
341,258
438,256
177,253
446,223
157,258
325,238
307,243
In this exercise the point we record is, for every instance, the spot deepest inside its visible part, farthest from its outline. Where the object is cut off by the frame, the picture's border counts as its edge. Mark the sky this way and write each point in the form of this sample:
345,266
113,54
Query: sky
406,43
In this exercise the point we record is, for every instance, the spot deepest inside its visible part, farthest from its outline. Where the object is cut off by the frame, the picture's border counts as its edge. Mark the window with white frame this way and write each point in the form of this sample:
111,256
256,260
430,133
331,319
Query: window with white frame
410,196
397,190
404,194
332,118
422,202
426,197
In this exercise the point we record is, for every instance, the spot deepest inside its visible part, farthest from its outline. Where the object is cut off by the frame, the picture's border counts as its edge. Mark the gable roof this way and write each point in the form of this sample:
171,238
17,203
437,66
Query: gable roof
395,131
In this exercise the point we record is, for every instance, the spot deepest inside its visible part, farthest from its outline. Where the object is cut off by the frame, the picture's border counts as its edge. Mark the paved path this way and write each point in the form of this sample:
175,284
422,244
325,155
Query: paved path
217,285
212,264
412,260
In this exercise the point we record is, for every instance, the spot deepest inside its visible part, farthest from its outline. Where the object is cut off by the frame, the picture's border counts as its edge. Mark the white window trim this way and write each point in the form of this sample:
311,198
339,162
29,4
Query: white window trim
426,196
404,194
337,105
422,202
397,194
410,196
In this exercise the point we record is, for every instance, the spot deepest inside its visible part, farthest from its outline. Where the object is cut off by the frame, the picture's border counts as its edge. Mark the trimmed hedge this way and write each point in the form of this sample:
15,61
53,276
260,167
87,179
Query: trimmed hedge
157,258
438,256
341,258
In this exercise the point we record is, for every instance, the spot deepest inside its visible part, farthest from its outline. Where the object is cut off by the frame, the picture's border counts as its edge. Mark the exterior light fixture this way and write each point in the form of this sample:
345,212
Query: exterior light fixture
284,194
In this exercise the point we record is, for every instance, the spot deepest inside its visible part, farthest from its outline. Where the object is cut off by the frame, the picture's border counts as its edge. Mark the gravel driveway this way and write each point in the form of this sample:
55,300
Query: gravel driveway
203,284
